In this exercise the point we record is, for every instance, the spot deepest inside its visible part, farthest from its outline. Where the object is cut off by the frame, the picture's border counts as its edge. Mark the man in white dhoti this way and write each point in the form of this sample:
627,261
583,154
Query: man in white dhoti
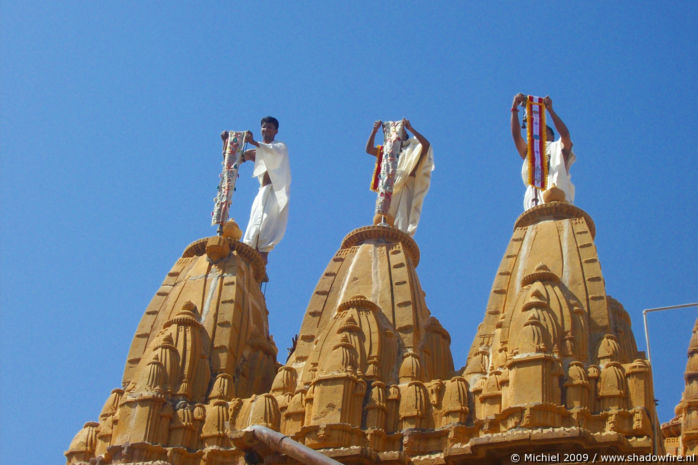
558,154
269,212
412,178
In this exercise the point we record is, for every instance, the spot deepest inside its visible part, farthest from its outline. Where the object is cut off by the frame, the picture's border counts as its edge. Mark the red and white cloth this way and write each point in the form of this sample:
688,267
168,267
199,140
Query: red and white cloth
401,179
393,135
232,155
536,135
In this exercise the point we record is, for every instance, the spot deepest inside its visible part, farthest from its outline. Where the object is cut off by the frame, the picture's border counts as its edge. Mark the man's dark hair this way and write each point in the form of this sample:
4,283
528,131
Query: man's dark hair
272,120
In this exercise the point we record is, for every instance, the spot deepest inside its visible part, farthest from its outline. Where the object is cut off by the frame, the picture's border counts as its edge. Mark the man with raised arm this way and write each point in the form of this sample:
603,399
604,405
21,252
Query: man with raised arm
558,154
412,178
269,212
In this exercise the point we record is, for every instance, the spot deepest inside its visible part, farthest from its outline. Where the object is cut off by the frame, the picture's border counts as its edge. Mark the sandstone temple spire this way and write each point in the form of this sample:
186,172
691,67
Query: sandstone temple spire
203,339
553,367
554,351
681,433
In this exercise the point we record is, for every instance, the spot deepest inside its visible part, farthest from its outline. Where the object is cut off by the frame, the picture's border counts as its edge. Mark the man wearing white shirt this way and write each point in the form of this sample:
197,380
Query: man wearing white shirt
269,212
558,155
412,178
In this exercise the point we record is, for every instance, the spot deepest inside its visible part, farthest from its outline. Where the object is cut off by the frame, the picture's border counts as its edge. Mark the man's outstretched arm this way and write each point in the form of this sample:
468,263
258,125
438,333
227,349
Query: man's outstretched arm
370,147
422,140
519,142
561,128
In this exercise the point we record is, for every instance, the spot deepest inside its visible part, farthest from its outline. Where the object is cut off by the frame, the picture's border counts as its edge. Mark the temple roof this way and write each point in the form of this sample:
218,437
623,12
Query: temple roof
559,237
554,363
375,264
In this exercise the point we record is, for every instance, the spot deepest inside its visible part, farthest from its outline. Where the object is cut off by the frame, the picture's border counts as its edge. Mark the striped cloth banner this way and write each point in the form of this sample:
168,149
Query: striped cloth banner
393,135
536,134
232,155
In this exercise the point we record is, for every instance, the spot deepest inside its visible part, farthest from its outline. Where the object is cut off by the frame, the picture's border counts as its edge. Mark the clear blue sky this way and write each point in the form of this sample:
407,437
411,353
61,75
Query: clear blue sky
109,121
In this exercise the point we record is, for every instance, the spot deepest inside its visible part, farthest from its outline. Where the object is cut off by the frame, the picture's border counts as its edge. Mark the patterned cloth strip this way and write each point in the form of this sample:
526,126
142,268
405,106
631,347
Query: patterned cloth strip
393,136
232,155
536,134
375,179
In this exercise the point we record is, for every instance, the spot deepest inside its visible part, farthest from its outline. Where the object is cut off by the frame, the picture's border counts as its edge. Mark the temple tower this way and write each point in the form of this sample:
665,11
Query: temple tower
369,354
553,367
203,339
554,351
681,433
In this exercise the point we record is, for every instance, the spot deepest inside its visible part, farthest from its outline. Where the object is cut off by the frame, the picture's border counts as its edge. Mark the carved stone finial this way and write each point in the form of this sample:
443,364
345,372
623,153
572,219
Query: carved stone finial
411,367
284,381
232,230
609,350
217,248
542,273
554,194
222,387
187,316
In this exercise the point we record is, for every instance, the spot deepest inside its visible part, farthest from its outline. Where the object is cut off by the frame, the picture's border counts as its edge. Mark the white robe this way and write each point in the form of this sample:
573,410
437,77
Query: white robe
409,191
558,175
269,212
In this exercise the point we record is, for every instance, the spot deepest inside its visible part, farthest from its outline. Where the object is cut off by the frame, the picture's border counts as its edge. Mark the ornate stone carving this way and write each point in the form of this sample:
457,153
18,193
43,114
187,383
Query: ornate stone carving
553,363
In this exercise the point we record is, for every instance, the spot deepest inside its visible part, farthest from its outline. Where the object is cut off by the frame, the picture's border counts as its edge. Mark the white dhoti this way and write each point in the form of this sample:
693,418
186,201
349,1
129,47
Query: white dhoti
409,191
558,175
269,212
406,204
267,224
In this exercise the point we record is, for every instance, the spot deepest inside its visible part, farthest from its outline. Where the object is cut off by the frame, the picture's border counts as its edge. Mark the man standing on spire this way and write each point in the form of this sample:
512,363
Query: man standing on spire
558,155
269,212
411,178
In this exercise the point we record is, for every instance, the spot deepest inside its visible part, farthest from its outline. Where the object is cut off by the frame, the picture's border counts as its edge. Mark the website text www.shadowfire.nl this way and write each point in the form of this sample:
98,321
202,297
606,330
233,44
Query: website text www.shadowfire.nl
572,458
